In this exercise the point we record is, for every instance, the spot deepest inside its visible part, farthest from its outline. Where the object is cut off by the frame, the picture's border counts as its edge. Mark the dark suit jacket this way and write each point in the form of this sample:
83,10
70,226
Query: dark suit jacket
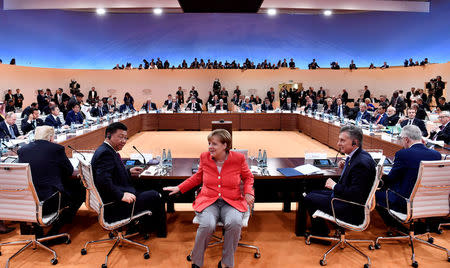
444,134
50,121
285,107
265,107
145,106
391,121
123,108
4,130
360,116
92,94
110,175
49,164
26,112
403,174
42,102
27,127
197,107
311,108
345,110
419,123
224,108
73,117
99,112
64,96
382,120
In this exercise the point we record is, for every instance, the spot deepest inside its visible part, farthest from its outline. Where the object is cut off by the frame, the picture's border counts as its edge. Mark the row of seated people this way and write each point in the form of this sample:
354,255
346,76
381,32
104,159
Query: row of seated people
228,202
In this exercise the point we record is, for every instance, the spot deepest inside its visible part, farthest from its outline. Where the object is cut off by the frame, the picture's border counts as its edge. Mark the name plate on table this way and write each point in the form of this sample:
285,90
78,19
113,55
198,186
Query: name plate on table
285,111
250,112
152,112
168,112
79,132
297,112
61,137
188,112
221,111
105,123
326,120
270,111
115,120
317,117
337,124
310,115
366,132
386,137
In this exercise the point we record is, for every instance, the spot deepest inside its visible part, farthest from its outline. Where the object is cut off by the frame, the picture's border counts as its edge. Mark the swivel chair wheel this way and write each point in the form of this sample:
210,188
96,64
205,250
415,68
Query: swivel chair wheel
431,240
257,255
104,266
83,251
448,259
323,262
54,261
371,247
415,264
0,253
68,241
366,265
146,236
439,231
111,235
146,255
188,258
377,246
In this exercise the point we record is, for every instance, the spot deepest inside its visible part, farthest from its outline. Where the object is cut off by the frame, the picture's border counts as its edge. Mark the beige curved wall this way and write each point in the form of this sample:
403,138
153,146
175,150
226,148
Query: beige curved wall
158,83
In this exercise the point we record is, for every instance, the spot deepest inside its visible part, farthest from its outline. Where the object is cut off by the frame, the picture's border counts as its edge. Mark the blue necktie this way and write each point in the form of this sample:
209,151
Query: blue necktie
339,111
13,136
347,160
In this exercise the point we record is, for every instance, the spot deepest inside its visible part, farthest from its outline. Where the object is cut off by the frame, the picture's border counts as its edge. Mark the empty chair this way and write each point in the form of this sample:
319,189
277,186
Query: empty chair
94,202
429,198
340,238
19,202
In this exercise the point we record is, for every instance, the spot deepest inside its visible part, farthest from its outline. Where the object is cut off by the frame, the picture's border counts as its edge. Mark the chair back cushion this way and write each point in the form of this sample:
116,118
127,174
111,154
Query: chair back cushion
93,200
18,198
430,196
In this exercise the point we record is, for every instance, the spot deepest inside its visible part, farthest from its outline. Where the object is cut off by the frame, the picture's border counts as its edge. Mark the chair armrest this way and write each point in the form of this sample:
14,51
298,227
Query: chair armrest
366,209
407,201
132,209
42,203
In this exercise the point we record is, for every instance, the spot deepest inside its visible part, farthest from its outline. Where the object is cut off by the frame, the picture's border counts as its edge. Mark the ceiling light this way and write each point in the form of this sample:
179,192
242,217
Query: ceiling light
157,11
328,12
101,11
272,11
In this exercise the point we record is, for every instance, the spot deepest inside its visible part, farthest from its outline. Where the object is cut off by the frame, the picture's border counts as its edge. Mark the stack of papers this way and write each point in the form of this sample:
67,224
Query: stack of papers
308,169
150,171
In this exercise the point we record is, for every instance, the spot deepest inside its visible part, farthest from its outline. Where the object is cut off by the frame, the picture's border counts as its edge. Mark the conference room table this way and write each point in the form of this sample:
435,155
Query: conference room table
269,187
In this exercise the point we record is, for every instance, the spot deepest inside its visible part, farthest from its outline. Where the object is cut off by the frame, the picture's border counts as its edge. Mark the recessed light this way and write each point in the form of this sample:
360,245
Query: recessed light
101,11
328,12
157,11
272,11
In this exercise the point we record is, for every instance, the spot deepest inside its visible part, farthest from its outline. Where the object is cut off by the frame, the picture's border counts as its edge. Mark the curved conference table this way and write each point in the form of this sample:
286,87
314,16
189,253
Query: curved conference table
270,187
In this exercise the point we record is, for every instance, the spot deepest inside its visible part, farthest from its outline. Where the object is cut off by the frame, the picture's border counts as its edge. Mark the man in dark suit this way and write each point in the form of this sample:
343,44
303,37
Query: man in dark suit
173,106
392,118
310,105
340,109
379,116
354,185
18,99
114,183
271,94
266,105
443,134
283,95
289,105
100,110
398,103
27,111
64,107
194,105
366,92
442,105
409,95
126,107
111,107
74,116
42,100
9,95
53,118
8,128
412,120
60,96
149,106
168,101
31,122
362,114
221,106
92,96
403,175
52,173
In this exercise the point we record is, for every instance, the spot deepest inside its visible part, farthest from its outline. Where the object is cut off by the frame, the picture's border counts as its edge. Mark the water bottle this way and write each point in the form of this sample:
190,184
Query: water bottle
370,128
259,158
169,158
164,157
86,125
71,126
98,120
264,159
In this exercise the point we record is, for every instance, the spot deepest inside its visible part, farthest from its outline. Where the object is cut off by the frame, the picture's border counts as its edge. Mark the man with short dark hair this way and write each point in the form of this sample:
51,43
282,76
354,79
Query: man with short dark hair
18,99
289,105
53,118
31,122
354,185
412,120
100,110
76,99
266,106
114,184
74,116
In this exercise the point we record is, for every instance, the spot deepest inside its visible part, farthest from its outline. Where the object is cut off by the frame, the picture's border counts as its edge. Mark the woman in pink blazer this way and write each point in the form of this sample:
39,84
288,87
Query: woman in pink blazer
222,174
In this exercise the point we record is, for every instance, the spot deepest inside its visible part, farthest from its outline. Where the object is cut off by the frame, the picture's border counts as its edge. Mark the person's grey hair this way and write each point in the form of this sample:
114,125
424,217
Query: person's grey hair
9,114
411,132
390,108
362,104
44,133
247,98
354,132
110,99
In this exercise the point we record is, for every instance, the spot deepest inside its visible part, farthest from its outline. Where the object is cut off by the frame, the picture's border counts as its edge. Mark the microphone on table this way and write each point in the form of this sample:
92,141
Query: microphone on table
335,159
134,147
73,149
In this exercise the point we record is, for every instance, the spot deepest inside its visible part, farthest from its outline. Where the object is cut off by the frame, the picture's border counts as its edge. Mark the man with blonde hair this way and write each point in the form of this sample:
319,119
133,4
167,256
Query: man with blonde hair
51,171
